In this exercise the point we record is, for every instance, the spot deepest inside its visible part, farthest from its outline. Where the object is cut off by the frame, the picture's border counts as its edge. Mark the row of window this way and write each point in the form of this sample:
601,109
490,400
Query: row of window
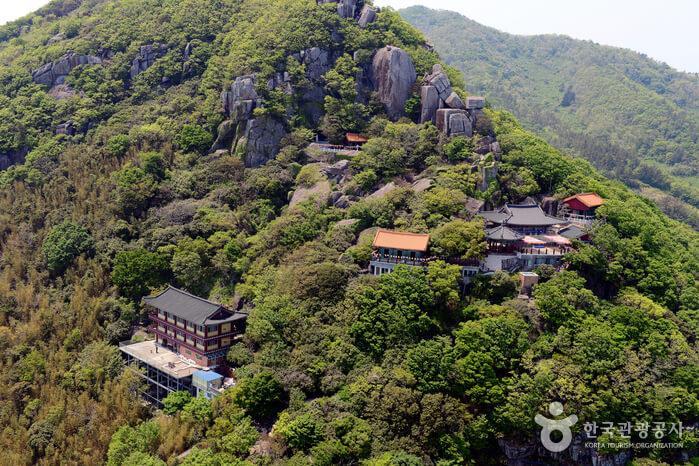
198,343
199,329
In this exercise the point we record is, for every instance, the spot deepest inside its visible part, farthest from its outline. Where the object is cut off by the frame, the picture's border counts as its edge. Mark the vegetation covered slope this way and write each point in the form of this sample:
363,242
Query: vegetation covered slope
341,366
633,117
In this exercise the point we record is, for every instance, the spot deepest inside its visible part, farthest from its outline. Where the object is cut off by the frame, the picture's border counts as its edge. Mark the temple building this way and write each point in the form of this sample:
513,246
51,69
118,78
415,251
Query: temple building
192,337
526,219
396,247
580,208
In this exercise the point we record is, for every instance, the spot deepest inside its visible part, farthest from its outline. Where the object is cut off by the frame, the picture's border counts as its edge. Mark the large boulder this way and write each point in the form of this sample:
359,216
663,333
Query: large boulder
147,55
367,16
241,100
347,8
53,73
317,61
454,122
393,75
429,104
454,101
262,138
439,80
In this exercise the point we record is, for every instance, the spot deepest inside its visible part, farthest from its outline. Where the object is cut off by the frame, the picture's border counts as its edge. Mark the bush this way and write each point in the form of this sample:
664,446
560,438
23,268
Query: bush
175,401
135,272
64,243
193,138
118,145
261,396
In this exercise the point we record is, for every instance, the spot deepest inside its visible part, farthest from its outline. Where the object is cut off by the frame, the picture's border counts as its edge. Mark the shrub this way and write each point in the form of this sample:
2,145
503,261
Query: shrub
193,138
64,243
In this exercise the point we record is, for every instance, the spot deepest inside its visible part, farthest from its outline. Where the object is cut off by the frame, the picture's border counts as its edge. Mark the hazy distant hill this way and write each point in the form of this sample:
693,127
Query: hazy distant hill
632,116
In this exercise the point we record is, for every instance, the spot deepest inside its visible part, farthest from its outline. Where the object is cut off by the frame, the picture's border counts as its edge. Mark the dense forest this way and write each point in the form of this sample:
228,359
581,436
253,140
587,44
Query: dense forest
113,187
634,118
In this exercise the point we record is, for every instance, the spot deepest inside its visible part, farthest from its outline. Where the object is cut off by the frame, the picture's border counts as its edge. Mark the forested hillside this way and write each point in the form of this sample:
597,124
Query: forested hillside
634,118
155,142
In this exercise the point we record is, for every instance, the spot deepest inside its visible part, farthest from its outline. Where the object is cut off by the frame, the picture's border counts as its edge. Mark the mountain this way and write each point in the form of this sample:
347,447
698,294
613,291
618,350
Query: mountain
635,118
160,145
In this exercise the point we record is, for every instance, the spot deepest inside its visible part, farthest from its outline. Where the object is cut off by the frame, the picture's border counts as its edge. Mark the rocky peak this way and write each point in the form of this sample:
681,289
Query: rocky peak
146,57
393,75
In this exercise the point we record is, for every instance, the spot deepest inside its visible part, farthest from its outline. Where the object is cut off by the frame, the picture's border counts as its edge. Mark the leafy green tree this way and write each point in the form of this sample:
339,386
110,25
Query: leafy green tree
564,298
136,272
139,458
300,432
64,243
119,145
175,401
128,440
432,364
444,280
459,238
261,395
193,138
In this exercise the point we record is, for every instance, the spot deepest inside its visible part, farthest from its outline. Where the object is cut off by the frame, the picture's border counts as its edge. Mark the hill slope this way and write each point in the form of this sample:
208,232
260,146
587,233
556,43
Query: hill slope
633,117
163,141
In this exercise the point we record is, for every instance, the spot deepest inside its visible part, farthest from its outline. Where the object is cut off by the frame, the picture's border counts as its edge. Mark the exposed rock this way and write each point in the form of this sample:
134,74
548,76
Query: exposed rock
336,171
62,91
320,191
343,202
474,102
8,159
387,188
225,136
454,122
348,222
393,75
487,174
280,81
57,38
367,16
146,57
67,128
473,205
454,101
262,138
550,205
422,185
312,104
317,61
439,80
55,72
334,196
347,8
241,100
495,149
429,104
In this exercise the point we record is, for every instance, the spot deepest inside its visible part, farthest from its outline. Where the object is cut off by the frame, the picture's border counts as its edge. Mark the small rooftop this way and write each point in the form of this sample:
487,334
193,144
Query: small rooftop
161,358
401,240
355,138
589,200
502,233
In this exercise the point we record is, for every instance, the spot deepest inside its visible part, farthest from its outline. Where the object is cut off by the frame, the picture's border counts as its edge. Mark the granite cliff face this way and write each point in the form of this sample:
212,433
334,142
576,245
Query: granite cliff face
393,75
54,73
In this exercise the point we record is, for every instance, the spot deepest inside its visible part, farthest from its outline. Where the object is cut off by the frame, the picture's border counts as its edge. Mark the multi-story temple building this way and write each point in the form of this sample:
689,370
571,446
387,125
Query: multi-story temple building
192,337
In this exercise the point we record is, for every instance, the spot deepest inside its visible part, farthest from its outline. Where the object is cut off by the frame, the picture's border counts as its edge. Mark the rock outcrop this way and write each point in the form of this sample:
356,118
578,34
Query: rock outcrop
261,140
66,129
146,57
454,122
241,100
367,16
393,75
55,72
256,139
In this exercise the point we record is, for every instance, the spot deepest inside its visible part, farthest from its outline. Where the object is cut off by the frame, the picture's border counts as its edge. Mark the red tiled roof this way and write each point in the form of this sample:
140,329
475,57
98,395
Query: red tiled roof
401,240
354,137
588,199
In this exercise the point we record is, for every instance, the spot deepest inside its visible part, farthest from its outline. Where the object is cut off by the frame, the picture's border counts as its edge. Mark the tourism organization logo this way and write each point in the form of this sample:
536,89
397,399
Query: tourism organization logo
550,426
614,435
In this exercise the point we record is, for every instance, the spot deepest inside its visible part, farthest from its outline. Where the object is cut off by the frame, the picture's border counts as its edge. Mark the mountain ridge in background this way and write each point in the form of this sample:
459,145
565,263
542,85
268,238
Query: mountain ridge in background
635,118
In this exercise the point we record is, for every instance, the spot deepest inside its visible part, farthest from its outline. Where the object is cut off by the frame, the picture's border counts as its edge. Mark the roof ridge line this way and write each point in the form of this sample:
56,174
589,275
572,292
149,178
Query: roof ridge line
194,296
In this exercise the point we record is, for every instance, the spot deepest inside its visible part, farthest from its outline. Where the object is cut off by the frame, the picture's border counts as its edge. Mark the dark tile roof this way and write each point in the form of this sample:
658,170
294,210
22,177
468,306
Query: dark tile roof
572,232
502,233
191,308
522,215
